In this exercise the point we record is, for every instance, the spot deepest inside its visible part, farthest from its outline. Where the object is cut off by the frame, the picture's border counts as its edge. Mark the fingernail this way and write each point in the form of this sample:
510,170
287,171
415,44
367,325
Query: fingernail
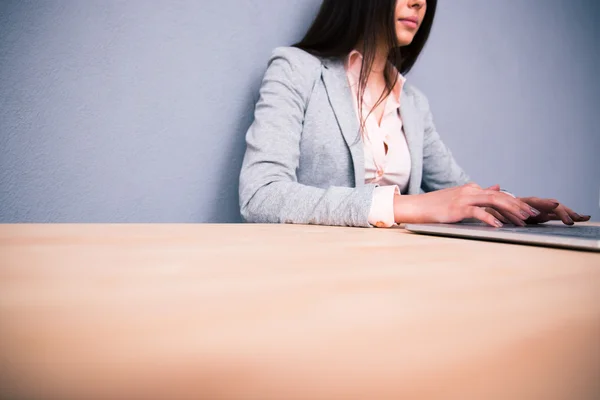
570,221
498,223
524,214
535,212
518,222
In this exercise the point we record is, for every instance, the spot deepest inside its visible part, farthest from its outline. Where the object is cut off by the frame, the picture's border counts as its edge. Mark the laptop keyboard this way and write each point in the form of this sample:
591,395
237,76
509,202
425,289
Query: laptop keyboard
577,231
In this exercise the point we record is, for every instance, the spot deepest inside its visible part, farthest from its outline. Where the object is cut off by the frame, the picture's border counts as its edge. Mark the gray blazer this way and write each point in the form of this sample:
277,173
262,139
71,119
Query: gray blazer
304,161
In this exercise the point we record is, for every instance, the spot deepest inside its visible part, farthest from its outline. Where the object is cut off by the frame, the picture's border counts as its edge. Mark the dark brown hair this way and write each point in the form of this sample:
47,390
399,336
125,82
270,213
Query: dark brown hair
341,24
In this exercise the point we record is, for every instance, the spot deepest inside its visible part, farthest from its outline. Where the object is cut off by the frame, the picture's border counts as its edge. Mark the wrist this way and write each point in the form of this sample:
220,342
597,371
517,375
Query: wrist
405,209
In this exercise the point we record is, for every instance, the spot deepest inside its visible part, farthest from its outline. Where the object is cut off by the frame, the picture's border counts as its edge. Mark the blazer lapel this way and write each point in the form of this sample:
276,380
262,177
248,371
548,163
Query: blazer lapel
340,98
412,127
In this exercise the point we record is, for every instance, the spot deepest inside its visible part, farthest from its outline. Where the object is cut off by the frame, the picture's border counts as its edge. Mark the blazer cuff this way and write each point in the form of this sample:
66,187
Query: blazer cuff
381,214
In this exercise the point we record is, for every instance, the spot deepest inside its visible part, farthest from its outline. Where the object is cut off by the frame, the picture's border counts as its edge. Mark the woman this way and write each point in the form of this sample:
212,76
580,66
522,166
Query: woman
339,138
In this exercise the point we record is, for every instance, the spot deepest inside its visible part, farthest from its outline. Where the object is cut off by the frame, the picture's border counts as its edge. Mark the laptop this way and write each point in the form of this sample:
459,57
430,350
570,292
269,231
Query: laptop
580,236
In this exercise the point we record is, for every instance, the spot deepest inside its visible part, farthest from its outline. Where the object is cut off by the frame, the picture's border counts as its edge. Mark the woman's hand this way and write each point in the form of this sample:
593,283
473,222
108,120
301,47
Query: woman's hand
468,201
550,210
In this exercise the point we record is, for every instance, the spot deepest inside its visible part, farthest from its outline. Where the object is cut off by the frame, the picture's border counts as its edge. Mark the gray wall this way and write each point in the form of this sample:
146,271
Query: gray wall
135,111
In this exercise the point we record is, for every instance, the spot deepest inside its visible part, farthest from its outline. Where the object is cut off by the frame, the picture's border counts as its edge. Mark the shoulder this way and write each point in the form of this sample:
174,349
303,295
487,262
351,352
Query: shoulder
295,68
297,59
295,64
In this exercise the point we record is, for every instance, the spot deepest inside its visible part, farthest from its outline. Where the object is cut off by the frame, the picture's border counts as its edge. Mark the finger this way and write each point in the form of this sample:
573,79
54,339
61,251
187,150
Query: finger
495,188
556,218
543,218
511,208
533,210
553,217
540,219
563,215
511,218
497,215
480,214
576,217
541,204
528,210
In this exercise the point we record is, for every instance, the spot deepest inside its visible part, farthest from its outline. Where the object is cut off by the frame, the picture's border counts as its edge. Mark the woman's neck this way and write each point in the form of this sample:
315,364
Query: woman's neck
379,62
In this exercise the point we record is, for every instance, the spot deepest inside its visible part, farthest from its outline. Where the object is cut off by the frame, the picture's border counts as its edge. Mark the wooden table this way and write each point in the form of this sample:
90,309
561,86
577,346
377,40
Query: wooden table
291,312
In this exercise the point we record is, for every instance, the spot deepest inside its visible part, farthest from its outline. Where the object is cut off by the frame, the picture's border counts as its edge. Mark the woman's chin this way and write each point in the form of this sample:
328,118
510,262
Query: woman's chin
404,38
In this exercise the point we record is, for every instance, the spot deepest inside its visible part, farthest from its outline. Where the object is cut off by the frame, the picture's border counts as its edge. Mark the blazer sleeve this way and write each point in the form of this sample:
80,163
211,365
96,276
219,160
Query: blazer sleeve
440,169
269,190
